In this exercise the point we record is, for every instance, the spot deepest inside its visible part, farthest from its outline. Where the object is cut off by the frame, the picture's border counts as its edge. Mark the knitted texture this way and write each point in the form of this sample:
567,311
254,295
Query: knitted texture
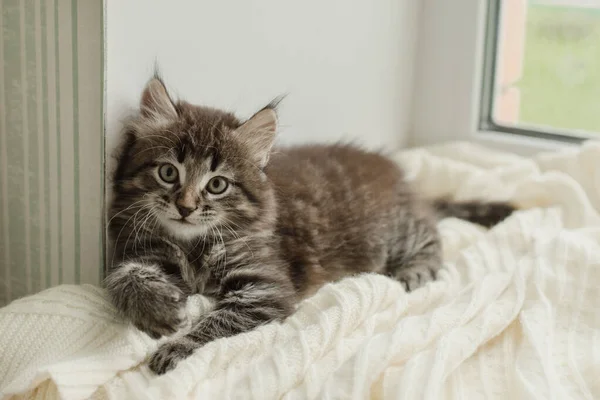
514,313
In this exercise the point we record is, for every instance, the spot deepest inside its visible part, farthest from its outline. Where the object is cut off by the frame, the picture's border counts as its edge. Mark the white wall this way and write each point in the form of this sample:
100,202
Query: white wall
347,65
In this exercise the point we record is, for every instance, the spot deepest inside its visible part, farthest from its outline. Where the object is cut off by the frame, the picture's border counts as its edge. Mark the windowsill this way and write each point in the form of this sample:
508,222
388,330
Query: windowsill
520,144
513,143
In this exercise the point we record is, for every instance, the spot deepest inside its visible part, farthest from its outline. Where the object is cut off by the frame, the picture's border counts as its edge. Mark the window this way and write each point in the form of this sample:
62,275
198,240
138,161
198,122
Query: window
542,71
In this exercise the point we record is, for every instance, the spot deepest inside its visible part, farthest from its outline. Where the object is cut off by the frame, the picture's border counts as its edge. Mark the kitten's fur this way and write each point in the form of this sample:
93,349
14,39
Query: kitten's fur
289,222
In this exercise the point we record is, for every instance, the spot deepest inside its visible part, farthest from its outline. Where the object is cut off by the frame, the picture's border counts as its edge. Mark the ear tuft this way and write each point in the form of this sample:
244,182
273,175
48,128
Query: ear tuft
156,102
258,134
264,120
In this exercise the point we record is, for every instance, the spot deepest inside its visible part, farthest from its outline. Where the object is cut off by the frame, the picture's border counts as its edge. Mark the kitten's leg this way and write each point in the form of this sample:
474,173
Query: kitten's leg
147,296
248,298
416,255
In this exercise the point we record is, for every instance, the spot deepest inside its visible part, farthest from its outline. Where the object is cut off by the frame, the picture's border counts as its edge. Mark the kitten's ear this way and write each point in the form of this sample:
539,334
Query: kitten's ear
258,134
156,102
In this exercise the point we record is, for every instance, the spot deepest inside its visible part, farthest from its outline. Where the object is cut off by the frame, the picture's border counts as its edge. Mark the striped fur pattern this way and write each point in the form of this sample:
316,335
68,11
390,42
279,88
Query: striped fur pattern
202,205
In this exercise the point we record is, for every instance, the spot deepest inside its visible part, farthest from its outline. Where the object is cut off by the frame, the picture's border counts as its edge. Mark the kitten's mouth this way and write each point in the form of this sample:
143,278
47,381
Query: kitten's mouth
182,221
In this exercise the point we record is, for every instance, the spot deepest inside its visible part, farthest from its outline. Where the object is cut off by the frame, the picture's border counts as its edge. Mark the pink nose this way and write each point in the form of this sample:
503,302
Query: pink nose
187,201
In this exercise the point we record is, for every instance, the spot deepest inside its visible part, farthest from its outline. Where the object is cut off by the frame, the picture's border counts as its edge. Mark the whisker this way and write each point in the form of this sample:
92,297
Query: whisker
141,228
133,230
237,236
119,235
122,211
152,218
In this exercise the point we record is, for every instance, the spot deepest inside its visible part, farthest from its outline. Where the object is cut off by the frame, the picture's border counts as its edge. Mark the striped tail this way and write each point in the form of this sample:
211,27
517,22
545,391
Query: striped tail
486,213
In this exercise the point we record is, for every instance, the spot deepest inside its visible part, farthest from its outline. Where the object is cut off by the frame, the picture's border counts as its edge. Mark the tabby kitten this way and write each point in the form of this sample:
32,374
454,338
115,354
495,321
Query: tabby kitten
202,205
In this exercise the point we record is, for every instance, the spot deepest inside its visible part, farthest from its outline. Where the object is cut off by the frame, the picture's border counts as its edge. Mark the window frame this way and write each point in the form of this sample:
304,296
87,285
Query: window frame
457,43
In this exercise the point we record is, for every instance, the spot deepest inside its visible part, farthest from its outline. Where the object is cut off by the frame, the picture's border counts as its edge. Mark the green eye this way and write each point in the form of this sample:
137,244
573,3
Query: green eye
217,185
168,173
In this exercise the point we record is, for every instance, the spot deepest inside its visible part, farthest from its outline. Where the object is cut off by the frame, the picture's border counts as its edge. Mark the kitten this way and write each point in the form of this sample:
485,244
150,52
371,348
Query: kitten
202,205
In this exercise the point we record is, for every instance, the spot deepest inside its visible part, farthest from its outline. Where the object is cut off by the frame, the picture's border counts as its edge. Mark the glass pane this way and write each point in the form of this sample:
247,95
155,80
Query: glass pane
548,66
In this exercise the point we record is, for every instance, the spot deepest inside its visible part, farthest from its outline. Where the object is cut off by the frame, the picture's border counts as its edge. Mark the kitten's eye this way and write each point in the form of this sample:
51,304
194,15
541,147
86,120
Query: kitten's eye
217,185
168,173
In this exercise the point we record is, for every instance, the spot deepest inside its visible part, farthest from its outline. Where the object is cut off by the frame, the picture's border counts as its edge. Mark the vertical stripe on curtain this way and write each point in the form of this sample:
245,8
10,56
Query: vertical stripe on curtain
51,144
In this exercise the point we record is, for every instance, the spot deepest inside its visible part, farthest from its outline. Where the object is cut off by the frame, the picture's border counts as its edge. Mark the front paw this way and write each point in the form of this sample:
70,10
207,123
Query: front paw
147,298
415,277
163,314
169,354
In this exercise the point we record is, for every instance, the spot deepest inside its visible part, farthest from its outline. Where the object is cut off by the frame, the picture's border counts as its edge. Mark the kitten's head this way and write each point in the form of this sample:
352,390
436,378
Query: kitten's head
194,170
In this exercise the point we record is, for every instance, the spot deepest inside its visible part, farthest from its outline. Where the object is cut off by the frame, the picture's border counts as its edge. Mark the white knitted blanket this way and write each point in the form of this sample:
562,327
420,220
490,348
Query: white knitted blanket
516,313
